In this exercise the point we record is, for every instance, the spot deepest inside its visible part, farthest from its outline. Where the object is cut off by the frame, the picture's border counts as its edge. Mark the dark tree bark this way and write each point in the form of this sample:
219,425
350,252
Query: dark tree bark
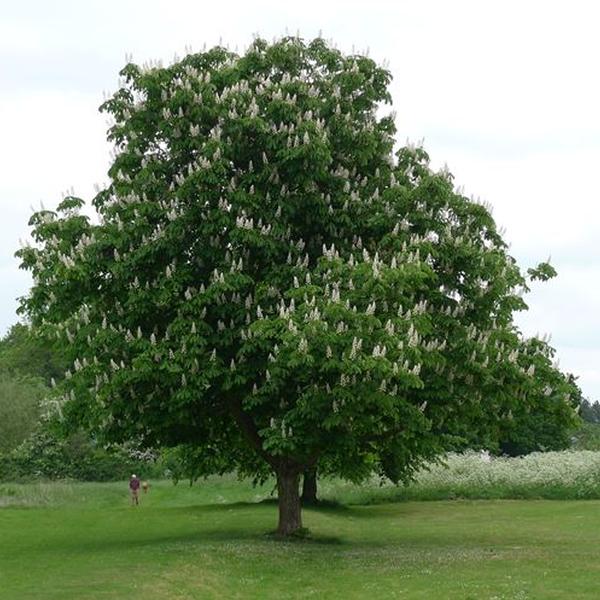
290,516
309,486
288,474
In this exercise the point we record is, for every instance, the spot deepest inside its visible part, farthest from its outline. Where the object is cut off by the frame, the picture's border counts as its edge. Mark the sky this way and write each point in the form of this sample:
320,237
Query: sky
505,93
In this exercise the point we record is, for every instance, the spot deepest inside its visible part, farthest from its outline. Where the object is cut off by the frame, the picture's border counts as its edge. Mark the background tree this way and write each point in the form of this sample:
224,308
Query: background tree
590,411
24,352
27,365
265,275
20,399
587,437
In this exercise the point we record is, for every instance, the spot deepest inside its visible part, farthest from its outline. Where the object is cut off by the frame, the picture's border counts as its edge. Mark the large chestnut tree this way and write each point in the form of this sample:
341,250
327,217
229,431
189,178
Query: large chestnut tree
266,280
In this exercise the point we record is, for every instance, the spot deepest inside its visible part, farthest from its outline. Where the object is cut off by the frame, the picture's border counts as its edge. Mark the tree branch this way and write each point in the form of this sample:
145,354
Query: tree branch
250,432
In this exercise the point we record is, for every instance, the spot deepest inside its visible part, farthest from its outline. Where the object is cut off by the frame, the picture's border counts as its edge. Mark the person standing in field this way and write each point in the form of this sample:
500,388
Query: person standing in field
134,488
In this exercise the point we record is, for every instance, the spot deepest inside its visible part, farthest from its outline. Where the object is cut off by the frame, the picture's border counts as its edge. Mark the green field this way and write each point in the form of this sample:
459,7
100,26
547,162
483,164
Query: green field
81,541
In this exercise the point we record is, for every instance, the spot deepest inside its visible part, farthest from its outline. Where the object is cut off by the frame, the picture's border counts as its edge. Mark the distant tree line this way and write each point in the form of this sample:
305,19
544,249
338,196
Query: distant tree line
590,411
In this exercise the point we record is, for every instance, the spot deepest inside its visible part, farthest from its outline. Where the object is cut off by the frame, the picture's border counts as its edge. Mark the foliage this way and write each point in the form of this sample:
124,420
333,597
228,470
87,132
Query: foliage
45,455
33,446
590,411
190,462
266,278
28,365
587,437
546,422
20,398
549,428
543,423
24,352
542,272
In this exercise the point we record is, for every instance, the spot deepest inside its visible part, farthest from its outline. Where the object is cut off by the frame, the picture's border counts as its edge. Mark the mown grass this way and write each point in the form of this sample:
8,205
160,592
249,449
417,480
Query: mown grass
84,541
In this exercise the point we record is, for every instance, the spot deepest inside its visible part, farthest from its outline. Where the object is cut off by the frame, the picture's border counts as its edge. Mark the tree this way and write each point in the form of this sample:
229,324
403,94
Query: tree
588,435
590,411
20,398
268,281
23,352
24,365
309,486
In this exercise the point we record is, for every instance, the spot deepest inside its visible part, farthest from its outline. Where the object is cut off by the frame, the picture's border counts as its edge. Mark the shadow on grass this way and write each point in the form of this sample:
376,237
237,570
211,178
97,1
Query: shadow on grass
304,537
320,506
328,508
331,508
195,538
219,506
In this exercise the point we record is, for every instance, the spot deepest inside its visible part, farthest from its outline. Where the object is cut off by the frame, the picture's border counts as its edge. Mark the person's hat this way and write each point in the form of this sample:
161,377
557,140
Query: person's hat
134,476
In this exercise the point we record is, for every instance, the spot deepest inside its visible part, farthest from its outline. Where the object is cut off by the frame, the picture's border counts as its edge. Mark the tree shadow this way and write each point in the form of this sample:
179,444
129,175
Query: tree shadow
221,506
325,507
197,536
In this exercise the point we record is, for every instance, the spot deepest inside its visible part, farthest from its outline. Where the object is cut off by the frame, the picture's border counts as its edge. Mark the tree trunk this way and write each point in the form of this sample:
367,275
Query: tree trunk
309,487
290,517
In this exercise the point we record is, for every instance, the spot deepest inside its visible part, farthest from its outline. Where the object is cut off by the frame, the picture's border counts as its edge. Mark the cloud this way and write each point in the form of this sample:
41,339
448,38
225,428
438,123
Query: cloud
52,141
567,308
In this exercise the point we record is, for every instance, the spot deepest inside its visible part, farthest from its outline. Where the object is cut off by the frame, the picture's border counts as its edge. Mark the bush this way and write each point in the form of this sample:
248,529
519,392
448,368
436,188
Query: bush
47,456
537,475
566,475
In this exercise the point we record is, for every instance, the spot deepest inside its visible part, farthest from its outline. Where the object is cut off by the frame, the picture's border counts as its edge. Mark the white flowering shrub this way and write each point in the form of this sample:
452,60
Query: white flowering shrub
539,472
552,475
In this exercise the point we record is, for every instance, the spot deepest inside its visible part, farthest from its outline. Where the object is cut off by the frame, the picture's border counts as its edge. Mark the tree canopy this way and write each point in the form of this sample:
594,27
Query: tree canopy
266,279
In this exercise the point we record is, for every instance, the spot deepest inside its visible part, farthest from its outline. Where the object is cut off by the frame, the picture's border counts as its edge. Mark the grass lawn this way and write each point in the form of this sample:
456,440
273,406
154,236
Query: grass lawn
83,541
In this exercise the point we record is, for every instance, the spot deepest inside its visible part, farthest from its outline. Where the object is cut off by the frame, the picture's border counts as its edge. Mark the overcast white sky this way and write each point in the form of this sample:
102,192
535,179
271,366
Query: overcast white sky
506,92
